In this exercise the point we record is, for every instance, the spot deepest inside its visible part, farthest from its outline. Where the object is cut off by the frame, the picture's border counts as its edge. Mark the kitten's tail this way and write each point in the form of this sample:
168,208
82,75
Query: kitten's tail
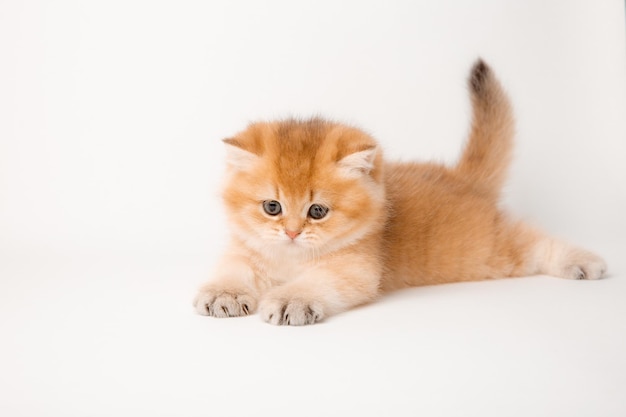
487,154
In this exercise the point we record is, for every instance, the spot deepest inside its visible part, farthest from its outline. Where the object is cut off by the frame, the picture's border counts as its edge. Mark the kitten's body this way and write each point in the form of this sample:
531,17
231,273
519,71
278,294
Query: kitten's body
387,225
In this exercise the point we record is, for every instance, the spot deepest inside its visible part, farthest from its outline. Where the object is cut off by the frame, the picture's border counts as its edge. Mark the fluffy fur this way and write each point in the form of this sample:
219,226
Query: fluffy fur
389,225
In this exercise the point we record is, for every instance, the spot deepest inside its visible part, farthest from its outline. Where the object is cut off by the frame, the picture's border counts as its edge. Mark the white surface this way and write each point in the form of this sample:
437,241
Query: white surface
110,158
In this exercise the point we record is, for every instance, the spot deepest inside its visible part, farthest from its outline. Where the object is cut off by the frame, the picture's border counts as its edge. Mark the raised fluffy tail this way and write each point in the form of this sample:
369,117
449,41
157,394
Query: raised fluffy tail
487,154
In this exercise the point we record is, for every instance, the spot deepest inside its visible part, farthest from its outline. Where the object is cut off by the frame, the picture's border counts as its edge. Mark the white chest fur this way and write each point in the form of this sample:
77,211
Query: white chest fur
284,267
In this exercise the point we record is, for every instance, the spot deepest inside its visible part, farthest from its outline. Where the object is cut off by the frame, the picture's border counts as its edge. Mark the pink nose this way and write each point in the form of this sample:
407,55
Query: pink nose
292,234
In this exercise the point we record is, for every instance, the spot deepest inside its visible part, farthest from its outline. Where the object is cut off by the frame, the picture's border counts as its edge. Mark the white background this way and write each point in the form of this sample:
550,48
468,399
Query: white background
111,115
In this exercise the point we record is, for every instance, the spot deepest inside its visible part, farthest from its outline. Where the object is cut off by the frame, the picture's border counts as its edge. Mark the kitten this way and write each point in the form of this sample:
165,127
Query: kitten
321,223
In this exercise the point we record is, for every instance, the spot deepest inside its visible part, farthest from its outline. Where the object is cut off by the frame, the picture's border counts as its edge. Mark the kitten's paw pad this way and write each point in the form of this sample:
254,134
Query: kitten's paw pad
584,265
223,303
293,312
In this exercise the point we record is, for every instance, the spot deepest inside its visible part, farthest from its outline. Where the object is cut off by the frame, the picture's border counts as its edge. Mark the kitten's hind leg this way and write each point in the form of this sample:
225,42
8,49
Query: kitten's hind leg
553,257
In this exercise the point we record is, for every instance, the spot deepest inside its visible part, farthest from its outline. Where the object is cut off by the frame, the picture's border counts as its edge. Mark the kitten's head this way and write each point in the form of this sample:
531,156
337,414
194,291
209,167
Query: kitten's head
303,187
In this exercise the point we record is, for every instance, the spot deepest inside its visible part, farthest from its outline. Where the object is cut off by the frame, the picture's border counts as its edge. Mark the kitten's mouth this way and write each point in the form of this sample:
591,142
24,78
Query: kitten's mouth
295,243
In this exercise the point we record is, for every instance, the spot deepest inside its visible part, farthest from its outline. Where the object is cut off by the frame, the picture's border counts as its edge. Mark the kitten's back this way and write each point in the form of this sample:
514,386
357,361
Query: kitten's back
444,224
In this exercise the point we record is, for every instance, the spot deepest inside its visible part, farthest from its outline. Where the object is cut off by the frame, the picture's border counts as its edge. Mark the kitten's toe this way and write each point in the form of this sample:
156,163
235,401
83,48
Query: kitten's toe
293,312
203,302
221,303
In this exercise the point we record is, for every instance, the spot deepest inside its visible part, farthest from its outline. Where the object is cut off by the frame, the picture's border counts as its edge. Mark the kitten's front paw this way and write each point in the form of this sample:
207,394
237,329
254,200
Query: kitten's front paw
220,302
290,311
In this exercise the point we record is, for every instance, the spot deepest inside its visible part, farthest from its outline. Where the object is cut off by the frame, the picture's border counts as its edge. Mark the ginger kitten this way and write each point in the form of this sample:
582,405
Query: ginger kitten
321,223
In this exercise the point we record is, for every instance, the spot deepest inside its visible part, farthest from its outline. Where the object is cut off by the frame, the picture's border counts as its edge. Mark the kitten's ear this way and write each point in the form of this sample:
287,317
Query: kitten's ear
237,157
358,163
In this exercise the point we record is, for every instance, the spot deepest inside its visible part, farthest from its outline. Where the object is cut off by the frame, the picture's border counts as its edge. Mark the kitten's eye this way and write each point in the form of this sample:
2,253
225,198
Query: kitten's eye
317,212
272,207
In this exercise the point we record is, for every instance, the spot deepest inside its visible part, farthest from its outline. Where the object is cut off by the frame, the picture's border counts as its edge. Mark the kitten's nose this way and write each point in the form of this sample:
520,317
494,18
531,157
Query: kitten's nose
292,234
